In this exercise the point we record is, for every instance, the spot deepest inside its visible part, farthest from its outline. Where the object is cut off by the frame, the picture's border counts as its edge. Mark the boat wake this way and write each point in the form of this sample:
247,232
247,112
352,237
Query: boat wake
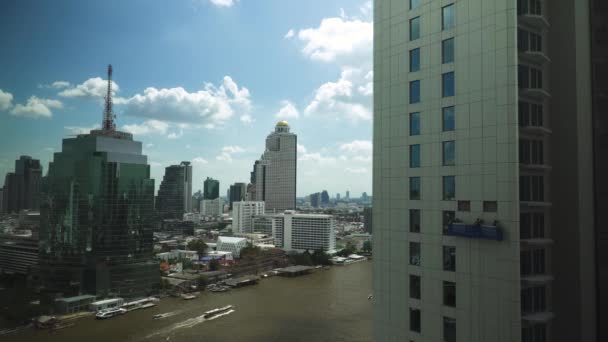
189,323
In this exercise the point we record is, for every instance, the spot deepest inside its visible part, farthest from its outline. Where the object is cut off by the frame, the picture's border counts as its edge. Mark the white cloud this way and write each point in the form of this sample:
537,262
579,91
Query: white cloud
56,85
36,108
6,99
92,88
228,151
208,107
346,98
301,149
199,160
356,170
147,127
287,111
149,145
357,147
366,9
223,3
74,130
49,149
289,34
176,135
338,38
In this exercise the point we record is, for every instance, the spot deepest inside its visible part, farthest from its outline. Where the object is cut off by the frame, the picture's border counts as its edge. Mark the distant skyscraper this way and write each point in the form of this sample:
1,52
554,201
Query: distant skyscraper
338,196
22,187
324,198
347,196
175,192
238,192
97,216
275,173
315,199
490,196
211,189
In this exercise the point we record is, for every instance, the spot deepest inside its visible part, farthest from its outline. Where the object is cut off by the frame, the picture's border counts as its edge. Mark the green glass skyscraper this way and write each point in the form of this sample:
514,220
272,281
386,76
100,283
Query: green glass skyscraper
96,226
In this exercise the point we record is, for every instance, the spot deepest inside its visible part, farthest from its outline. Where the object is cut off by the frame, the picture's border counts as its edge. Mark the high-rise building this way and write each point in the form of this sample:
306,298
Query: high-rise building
175,192
238,192
294,231
367,219
97,216
347,196
22,187
212,207
324,198
274,175
211,189
315,199
487,200
338,196
243,213
1,200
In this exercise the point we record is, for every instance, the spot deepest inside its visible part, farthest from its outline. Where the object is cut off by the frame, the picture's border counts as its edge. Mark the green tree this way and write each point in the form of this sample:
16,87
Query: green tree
197,245
214,265
367,246
348,250
320,258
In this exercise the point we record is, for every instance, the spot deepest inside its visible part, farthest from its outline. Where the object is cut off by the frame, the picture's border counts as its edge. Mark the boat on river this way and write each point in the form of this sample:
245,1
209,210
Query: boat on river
109,313
214,312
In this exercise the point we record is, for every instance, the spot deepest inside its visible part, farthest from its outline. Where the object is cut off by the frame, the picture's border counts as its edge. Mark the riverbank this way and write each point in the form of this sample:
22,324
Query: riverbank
331,305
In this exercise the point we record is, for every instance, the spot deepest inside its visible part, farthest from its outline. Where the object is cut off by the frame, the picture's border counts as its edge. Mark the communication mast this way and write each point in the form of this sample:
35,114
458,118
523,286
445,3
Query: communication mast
108,124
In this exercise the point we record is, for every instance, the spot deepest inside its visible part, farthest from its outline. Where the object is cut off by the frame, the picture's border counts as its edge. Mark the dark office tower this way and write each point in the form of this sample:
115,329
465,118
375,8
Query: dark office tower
175,192
367,219
211,189
599,74
238,191
96,216
324,198
503,170
315,199
23,185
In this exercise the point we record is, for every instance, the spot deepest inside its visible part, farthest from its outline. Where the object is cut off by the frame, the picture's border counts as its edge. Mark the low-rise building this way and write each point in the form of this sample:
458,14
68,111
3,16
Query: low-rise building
74,304
106,304
231,244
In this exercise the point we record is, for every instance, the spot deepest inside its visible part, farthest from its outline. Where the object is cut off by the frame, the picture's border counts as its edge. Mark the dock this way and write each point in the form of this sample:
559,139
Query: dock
242,281
294,271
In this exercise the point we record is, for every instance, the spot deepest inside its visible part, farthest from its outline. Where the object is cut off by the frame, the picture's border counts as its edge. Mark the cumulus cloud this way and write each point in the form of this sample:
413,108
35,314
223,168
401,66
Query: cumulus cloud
92,88
36,108
338,38
346,98
301,149
199,160
228,151
147,127
209,107
223,3
6,100
55,85
356,170
289,34
357,147
287,111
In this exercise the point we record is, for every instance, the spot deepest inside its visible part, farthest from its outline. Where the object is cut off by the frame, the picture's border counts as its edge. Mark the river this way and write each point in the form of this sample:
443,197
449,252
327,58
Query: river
327,305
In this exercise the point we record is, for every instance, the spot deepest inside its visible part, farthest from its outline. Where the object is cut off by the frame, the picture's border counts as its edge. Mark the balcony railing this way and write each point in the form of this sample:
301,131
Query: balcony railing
479,231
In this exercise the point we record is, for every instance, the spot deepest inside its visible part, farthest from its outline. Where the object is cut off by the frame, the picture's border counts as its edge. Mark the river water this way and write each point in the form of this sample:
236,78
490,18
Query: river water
327,305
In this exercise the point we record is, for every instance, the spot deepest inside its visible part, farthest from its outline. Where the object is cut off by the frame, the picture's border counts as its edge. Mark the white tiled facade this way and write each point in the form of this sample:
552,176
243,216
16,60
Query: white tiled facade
485,168
243,213
231,244
212,207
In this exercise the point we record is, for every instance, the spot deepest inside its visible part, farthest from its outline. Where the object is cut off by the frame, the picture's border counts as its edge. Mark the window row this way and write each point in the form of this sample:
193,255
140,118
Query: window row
447,54
529,77
530,114
532,262
448,216
448,87
531,152
532,188
449,290
529,41
533,7
449,256
449,188
532,225
447,121
533,299
448,154
447,20
449,325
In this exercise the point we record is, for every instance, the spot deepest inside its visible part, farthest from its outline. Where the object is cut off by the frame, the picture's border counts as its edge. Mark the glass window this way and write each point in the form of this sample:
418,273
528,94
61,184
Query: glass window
414,4
531,152
532,262
532,225
522,7
447,17
490,206
414,156
415,220
523,76
449,258
449,188
464,205
414,60
448,120
447,51
414,123
415,28
415,286
415,91
449,152
447,84
534,333
415,320
449,329
415,253
531,188
448,218
522,40
415,188
449,293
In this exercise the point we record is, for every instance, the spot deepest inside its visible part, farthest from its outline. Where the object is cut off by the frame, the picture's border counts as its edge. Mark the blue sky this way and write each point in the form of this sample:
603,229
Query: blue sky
202,80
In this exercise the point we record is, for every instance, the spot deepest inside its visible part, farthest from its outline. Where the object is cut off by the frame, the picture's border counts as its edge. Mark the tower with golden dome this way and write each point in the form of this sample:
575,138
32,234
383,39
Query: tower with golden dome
274,174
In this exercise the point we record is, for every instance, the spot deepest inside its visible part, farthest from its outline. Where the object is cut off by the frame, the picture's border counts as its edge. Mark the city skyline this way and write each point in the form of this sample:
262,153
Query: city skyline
206,106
